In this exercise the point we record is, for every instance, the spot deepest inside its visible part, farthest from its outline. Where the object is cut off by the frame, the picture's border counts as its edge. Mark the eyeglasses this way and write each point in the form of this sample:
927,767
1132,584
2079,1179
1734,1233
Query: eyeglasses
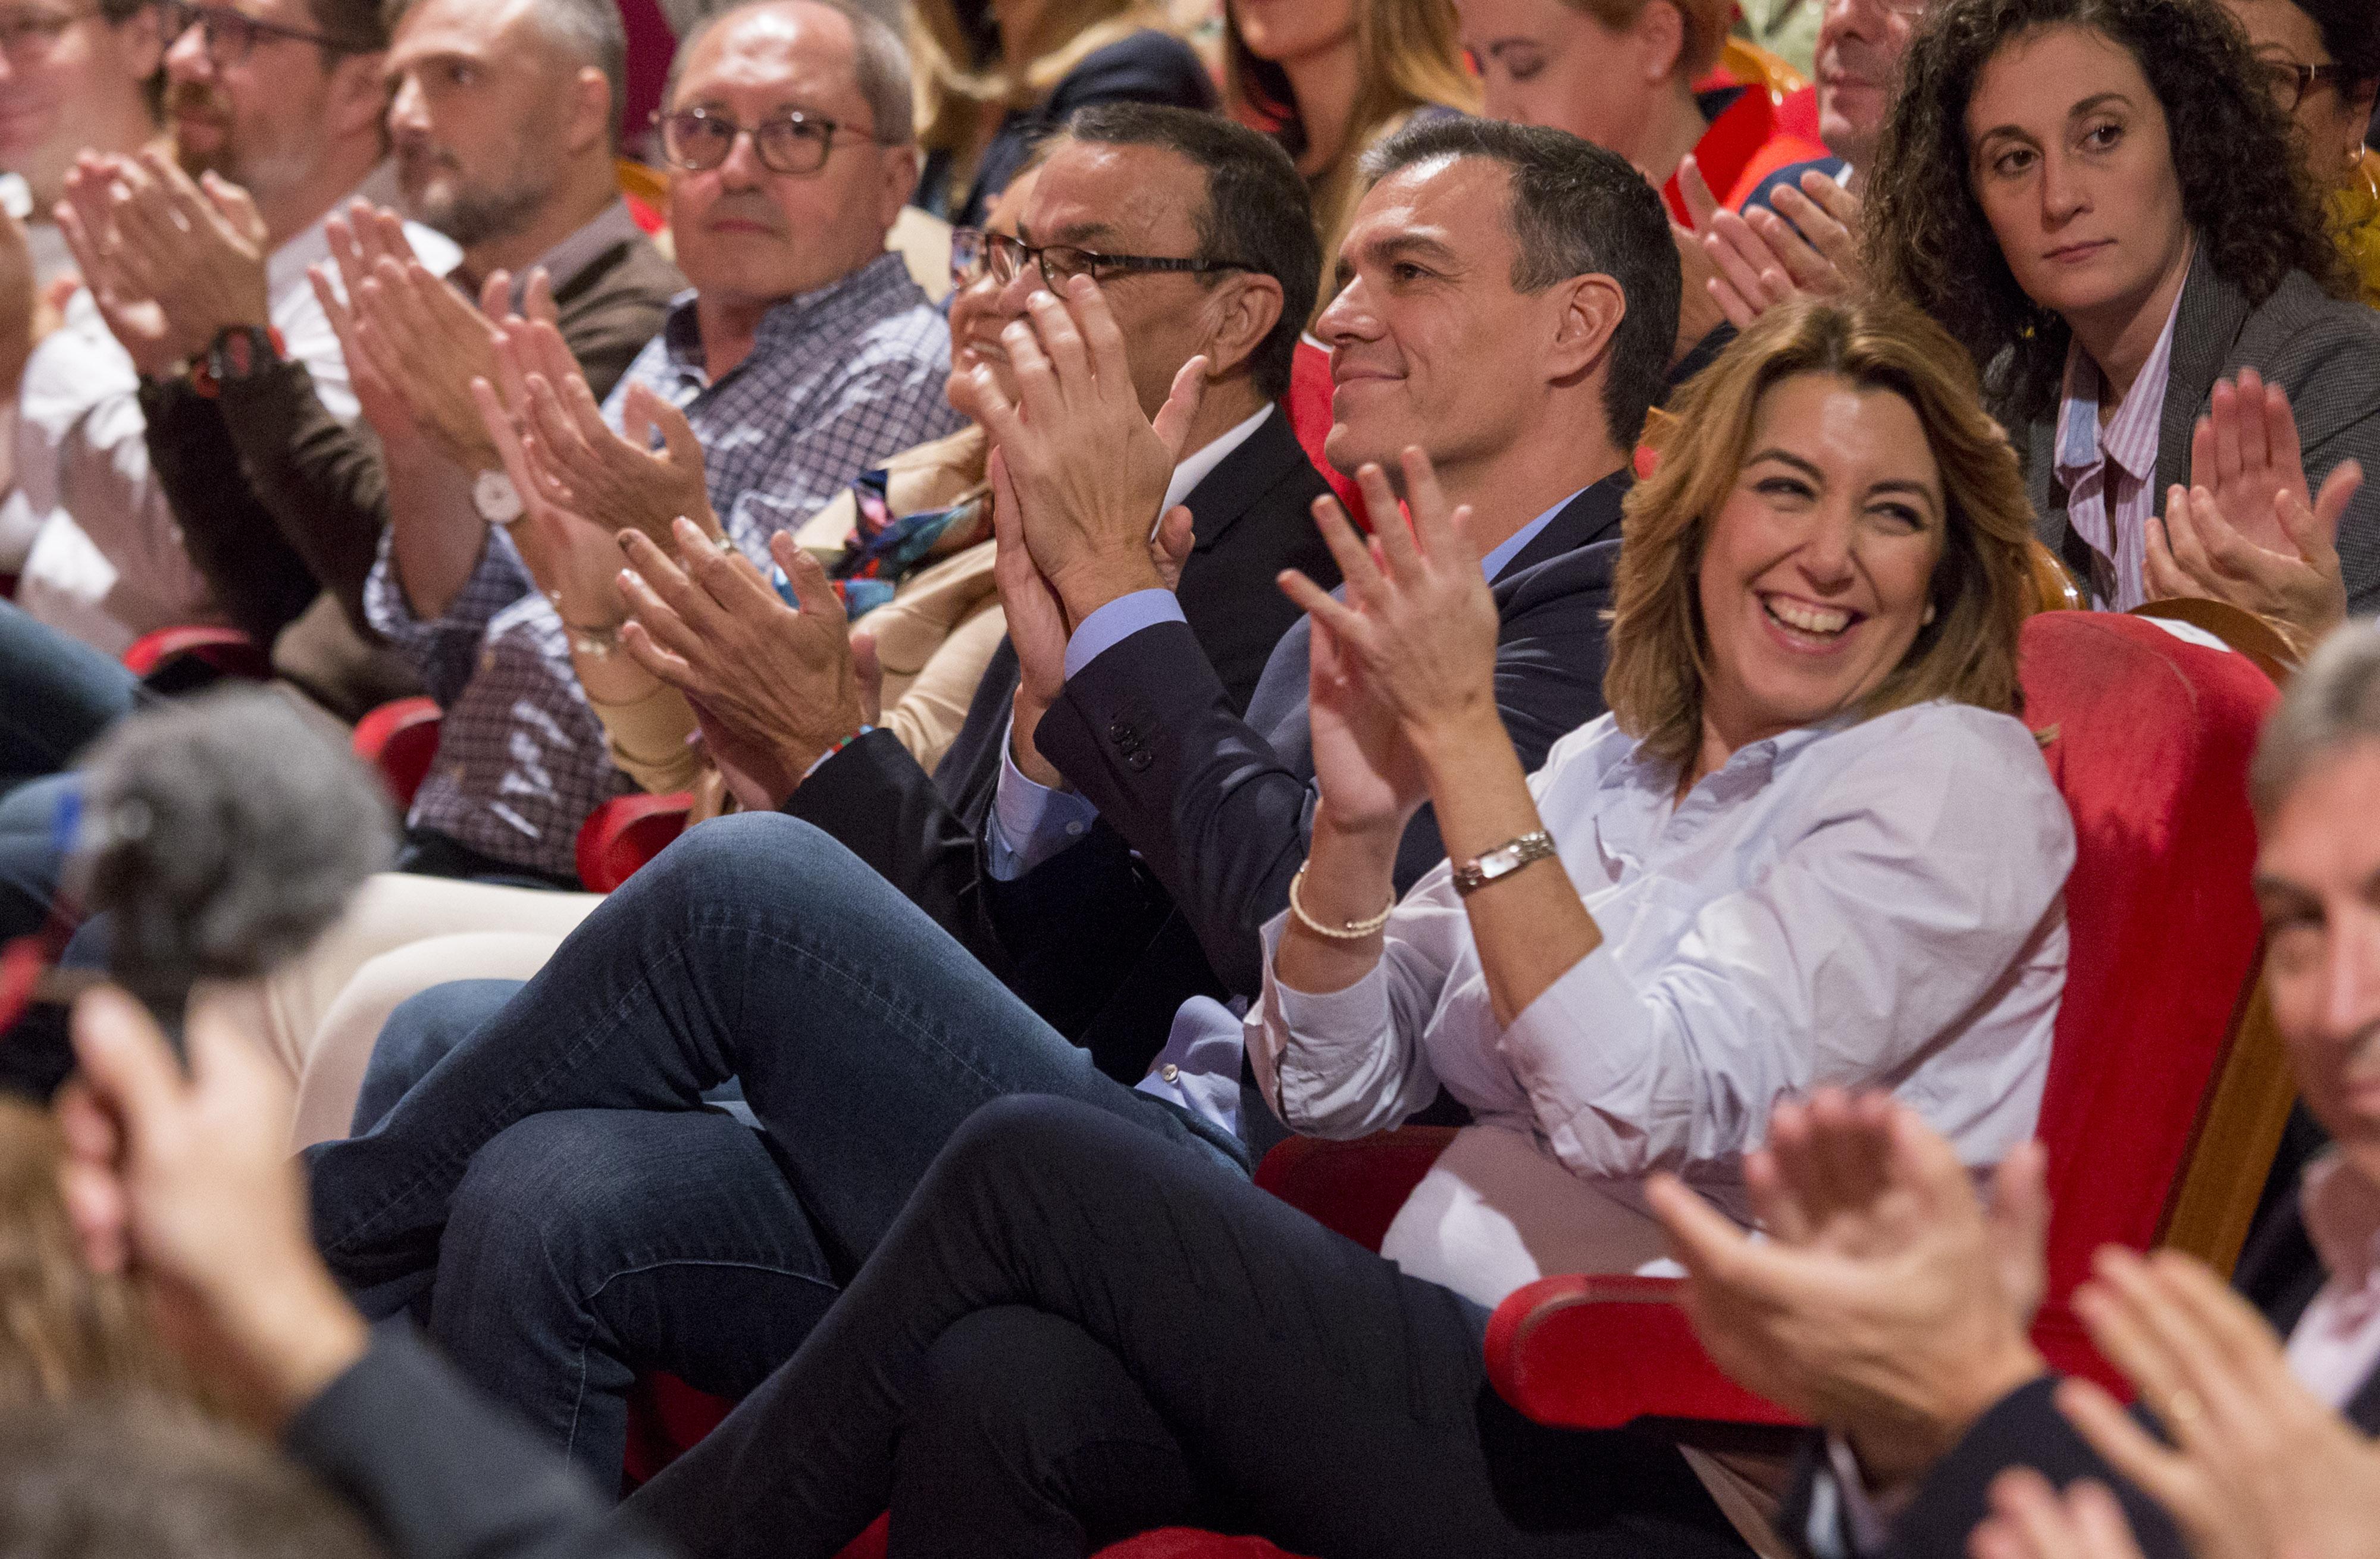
29,33
698,140
2289,81
230,36
976,254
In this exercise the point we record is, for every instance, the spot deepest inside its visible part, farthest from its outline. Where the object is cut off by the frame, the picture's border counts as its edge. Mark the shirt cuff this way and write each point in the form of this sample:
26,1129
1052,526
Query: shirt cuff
1117,622
1031,822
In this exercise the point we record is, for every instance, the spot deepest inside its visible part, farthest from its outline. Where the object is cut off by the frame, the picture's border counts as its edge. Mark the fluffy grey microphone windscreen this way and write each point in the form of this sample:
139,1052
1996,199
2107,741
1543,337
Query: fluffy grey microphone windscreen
220,834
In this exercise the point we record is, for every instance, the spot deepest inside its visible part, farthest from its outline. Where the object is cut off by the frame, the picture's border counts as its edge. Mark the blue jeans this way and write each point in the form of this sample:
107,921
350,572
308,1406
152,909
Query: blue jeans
60,694
755,949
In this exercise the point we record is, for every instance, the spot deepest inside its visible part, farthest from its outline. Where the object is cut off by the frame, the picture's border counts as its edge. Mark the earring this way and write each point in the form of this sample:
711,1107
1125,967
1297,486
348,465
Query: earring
1928,618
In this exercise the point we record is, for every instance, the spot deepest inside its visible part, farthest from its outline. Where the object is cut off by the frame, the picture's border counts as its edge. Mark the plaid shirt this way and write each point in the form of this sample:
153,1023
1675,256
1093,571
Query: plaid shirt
837,379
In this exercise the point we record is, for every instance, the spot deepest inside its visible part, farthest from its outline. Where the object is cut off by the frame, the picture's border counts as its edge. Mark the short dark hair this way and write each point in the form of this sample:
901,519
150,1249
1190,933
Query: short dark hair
356,27
1256,213
1574,210
2351,34
105,1475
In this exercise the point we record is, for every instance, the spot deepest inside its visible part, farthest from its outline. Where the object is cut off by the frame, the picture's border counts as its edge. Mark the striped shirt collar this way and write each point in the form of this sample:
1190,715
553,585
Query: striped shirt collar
2109,472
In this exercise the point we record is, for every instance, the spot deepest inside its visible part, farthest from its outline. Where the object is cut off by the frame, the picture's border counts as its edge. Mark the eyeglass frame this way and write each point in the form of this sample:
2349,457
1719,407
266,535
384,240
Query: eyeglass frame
48,31
832,127
180,16
2303,77
991,243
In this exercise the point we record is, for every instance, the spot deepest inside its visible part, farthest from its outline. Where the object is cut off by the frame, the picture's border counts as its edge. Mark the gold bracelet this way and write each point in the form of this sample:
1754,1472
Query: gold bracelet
1353,931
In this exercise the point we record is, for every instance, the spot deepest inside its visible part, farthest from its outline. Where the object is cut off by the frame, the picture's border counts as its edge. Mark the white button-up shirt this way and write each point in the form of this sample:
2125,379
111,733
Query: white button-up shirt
1869,902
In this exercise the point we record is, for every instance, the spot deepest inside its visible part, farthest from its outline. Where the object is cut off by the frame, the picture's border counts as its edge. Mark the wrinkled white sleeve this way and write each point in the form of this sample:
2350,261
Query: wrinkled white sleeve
1885,925
82,445
1351,1062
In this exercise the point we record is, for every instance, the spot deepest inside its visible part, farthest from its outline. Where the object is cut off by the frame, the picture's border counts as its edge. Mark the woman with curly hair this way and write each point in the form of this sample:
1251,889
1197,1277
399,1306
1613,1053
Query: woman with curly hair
2101,200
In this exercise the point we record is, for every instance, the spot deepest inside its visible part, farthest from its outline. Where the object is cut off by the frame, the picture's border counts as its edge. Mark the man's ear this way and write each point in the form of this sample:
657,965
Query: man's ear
591,110
359,96
900,179
1241,315
1590,309
1661,34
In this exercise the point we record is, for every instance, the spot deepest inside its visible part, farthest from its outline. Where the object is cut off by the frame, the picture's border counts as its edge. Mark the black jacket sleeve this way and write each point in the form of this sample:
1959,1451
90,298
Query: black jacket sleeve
442,1473
262,580
878,804
1221,818
2024,1429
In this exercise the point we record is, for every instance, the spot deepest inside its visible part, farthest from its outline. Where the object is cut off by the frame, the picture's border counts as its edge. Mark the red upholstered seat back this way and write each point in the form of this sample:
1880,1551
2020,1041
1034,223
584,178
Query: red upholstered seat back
2153,737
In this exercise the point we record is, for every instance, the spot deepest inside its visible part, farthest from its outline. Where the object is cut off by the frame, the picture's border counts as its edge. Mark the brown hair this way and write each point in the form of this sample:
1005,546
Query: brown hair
957,69
1981,589
1704,22
64,1330
1409,55
2243,188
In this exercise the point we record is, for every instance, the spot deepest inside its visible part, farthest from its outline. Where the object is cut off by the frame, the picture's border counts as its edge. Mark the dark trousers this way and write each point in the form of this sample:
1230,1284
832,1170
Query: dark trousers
757,949
1076,1331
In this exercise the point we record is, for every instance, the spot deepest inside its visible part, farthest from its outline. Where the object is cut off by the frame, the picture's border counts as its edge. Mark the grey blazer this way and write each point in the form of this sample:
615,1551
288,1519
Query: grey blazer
2323,351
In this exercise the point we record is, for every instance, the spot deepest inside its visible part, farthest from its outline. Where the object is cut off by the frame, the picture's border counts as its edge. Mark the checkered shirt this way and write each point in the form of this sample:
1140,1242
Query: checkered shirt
837,379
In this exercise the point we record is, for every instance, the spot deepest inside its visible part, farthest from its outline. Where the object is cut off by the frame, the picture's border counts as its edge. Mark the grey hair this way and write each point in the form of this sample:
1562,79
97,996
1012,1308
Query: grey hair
2333,702
587,31
879,60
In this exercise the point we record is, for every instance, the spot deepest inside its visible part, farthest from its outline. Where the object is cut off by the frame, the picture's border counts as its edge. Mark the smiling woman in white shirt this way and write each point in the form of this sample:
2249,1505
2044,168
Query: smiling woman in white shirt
1810,845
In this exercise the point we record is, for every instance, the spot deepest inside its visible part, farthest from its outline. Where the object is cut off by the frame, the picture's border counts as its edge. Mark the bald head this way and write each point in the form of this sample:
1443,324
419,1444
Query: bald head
870,52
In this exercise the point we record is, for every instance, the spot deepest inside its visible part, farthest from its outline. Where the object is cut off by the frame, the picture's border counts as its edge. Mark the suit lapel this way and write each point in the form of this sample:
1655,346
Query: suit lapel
1592,516
2208,322
1243,476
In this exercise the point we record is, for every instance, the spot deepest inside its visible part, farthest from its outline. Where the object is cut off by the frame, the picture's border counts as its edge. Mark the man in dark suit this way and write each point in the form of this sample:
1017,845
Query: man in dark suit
1893,1309
582,1220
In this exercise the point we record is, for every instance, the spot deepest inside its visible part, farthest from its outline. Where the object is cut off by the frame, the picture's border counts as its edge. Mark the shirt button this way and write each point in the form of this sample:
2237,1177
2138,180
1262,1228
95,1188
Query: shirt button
487,660
1169,1072
1074,829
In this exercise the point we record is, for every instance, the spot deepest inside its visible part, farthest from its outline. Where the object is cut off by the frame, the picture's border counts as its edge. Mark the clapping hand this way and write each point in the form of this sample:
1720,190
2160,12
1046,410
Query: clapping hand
86,220
1087,467
186,1179
197,252
2031,1521
423,339
1807,246
575,562
773,687
1414,644
2253,1465
1887,1302
2246,531
617,480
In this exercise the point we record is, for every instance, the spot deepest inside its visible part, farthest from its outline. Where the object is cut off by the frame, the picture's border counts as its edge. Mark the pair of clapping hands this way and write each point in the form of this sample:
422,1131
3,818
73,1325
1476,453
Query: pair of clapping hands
1891,1304
616,528
1080,474
171,262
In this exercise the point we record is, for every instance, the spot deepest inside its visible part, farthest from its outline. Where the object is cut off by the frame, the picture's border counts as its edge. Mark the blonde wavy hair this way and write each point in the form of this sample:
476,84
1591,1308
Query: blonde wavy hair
955,82
1409,55
64,1331
1981,590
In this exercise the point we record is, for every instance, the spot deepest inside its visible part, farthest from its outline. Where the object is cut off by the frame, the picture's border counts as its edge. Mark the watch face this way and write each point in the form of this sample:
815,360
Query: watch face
497,500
